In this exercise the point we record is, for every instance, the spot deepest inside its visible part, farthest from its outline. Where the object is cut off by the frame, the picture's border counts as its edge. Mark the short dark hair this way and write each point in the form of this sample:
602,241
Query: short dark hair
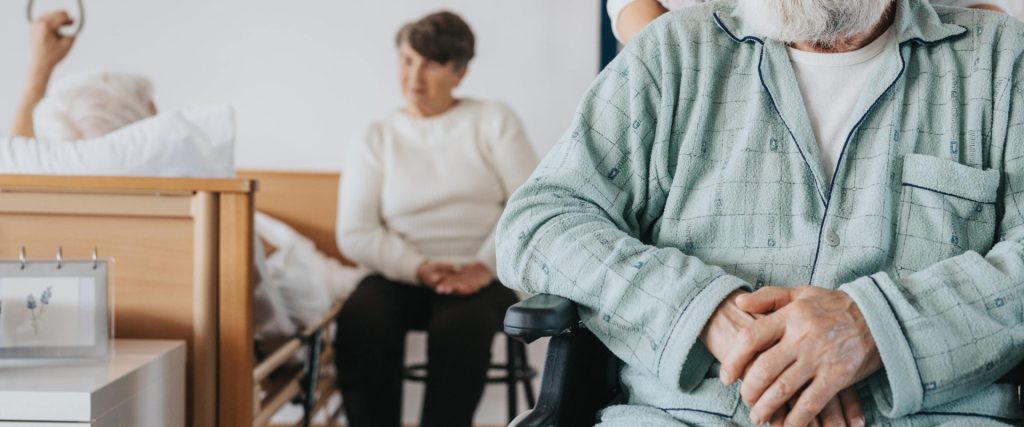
441,37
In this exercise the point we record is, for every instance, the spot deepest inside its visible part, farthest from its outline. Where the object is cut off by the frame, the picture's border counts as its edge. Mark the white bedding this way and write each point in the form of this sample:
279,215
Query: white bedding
197,143
299,279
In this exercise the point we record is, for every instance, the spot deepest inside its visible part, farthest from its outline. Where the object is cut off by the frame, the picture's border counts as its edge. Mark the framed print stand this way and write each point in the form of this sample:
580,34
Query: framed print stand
54,308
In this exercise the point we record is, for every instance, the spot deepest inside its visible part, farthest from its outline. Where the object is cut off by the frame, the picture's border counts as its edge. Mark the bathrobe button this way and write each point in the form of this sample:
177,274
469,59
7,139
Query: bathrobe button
832,239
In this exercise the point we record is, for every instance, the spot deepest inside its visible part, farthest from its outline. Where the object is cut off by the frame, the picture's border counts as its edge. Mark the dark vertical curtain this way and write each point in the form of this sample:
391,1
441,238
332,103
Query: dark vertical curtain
609,46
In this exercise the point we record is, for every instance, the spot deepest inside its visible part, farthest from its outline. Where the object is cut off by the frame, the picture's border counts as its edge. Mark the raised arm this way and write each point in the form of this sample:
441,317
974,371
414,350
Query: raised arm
48,49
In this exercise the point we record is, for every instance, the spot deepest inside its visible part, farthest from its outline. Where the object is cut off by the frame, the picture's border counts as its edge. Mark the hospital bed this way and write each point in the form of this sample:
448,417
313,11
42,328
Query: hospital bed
183,269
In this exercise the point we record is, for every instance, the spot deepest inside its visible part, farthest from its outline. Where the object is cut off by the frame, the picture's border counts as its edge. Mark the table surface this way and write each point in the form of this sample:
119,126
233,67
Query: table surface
81,375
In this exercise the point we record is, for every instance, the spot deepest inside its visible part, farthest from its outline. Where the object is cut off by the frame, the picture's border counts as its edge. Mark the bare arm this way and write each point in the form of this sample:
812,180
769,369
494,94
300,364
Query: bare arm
636,15
991,7
49,48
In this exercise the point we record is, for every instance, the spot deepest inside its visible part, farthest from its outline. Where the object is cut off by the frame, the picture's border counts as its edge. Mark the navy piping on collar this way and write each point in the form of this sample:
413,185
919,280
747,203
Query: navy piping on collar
775,105
733,36
842,154
827,201
924,42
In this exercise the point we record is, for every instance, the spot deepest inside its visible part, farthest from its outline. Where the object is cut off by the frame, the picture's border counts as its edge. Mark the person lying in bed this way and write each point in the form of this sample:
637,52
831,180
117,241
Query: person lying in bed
421,194
296,284
79,106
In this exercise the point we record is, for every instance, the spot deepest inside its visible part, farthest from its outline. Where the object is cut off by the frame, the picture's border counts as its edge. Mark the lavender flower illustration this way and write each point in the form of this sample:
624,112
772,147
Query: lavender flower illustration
32,306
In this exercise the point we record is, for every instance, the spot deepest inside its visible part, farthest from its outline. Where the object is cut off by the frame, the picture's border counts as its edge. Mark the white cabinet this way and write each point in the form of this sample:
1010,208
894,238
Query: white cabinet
142,384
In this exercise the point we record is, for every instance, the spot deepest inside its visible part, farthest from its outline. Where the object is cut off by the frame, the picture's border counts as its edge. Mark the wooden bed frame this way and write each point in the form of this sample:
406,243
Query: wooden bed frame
182,251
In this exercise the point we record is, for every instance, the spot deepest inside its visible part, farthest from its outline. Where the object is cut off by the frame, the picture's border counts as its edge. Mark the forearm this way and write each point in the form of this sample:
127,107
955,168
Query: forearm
621,284
986,6
35,90
635,16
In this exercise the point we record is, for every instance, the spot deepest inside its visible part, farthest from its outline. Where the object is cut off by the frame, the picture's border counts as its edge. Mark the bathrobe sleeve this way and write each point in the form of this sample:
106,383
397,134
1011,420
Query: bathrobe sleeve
951,329
577,229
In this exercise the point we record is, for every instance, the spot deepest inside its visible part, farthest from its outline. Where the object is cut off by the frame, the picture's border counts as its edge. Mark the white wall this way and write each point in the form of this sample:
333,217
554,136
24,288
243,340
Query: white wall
1017,7
307,76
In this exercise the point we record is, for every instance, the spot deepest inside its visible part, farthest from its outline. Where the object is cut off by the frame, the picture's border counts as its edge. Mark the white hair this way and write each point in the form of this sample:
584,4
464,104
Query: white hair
91,105
820,22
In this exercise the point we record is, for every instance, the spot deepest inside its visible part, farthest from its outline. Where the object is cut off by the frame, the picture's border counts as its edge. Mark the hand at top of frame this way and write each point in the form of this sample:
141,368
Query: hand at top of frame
48,46
811,344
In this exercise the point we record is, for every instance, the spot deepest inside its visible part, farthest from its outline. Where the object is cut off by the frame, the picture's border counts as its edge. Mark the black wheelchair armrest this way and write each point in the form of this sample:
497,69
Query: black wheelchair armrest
539,316
580,374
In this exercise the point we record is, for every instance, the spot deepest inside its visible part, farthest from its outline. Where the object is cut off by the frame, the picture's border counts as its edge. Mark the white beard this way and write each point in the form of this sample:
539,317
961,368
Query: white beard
819,22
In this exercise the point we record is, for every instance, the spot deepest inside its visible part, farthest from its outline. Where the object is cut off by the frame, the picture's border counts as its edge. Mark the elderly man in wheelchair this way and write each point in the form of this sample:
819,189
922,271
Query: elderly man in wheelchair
796,212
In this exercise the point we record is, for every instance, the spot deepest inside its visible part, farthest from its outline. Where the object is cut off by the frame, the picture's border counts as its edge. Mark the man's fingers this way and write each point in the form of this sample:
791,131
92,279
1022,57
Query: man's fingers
811,402
764,371
784,388
55,20
778,419
757,337
853,412
832,414
766,300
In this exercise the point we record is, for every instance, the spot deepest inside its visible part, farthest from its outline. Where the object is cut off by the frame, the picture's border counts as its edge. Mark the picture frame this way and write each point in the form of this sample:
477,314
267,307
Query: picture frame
54,309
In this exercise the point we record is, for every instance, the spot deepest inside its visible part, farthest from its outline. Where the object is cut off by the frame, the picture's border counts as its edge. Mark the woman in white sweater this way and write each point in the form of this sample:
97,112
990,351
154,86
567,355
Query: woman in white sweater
421,194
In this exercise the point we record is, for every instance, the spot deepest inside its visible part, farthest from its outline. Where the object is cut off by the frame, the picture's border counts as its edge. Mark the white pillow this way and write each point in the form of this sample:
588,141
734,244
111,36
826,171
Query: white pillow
195,143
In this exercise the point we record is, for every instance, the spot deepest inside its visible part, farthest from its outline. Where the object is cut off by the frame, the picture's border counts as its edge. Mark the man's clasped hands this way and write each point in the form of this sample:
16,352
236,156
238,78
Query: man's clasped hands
797,351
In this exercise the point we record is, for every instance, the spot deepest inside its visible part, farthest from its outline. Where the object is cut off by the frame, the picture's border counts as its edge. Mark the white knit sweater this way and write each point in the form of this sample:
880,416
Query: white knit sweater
417,189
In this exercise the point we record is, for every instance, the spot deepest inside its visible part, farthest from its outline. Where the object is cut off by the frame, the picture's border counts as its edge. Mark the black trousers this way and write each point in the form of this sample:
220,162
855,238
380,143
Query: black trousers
370,350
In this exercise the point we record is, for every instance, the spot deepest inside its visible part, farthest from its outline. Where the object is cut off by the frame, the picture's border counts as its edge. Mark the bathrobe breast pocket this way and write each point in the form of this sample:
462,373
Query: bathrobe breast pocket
946,209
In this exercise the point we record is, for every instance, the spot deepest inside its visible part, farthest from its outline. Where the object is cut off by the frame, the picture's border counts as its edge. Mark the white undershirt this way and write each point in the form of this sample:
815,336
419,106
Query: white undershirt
831,84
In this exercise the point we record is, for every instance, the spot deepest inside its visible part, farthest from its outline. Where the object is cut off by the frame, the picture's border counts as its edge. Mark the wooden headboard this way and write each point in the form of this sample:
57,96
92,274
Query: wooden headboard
307,201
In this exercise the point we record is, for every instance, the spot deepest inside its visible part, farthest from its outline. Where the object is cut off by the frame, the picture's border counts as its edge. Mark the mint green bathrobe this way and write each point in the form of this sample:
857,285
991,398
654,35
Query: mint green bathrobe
691,170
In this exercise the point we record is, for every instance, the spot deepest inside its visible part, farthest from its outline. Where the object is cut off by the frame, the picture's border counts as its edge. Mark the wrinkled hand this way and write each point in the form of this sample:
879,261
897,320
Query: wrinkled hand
843,410
466,280
431,273
812,344
48,46
724,326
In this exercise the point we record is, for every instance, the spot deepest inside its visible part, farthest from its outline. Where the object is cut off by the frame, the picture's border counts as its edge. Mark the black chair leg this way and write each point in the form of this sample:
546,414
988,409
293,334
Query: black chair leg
312,378
512,364
524,365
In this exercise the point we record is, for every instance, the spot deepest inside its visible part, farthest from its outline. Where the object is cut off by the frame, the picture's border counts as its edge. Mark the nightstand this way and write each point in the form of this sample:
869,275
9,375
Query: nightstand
142,384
